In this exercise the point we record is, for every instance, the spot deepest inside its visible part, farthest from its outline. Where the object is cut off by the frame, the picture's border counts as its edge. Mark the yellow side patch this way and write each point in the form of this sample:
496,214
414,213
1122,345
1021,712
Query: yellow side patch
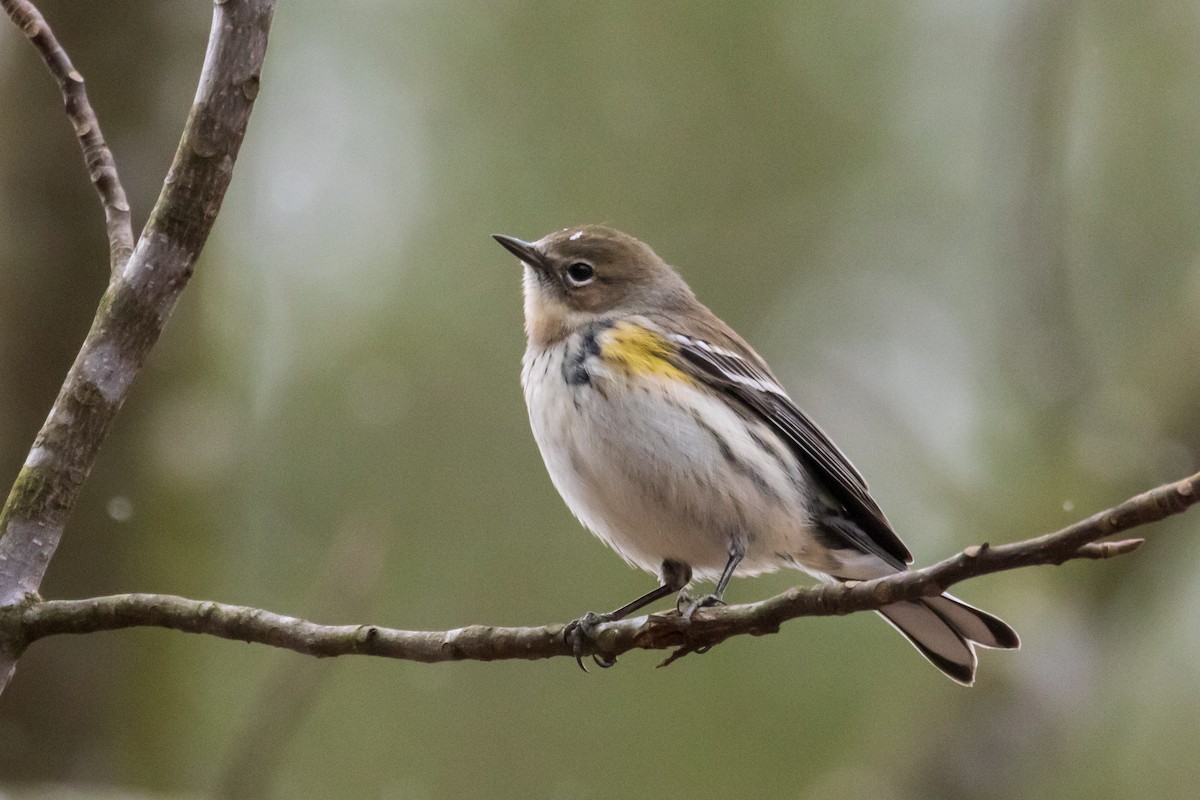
639,351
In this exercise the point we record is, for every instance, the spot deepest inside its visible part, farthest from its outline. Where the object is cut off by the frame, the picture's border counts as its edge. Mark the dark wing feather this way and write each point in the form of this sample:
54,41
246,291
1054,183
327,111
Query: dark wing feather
756,389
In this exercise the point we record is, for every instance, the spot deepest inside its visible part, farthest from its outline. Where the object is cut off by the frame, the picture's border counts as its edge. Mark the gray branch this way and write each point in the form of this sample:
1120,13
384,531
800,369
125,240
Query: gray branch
37,619
101,166
141,295
144,289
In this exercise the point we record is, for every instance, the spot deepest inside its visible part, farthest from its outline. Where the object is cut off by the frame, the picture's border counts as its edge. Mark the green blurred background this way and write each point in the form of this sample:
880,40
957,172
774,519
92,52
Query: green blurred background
964,234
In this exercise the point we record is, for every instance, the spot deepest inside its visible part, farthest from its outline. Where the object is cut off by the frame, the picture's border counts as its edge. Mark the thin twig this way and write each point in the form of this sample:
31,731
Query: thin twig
138,302
101,166
708,627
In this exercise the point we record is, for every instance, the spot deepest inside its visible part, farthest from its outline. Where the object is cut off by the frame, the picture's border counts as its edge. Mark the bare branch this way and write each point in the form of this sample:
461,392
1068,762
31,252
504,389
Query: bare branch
37,619
96,156
139,299
132,313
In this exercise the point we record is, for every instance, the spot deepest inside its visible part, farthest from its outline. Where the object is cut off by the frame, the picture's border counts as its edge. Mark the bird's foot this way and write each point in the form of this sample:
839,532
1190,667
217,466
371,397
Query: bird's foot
581,636
704,601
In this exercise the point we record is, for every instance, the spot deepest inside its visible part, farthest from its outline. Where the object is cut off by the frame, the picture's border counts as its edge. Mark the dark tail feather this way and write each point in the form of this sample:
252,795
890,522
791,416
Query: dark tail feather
945,629
974,624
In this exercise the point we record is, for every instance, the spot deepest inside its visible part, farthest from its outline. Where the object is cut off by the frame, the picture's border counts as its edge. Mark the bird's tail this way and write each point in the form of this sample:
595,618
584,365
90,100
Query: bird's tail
946,630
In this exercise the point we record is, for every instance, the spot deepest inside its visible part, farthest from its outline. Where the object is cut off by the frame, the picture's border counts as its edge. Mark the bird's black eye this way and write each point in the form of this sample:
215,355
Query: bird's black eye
580,273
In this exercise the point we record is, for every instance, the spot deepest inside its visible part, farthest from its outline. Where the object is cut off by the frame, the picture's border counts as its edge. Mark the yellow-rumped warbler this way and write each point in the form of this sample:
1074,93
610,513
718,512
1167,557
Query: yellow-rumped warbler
670,439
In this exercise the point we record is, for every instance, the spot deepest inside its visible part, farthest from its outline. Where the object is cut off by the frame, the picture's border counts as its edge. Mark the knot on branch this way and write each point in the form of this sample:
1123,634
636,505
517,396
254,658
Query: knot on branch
13,638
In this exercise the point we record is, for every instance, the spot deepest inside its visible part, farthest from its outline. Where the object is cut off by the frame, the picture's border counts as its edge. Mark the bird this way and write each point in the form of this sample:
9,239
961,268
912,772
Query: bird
672,441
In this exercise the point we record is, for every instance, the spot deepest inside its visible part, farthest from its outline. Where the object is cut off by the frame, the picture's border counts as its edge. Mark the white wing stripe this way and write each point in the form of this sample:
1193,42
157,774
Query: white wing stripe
735,369
730,365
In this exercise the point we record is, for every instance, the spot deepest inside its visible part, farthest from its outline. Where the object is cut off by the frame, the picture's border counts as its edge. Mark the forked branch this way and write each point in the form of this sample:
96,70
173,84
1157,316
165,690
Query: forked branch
143,290
147,280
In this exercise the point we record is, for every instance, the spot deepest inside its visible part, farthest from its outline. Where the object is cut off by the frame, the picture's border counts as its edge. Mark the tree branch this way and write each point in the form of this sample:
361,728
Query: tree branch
102,168
37,619
140,297
145,286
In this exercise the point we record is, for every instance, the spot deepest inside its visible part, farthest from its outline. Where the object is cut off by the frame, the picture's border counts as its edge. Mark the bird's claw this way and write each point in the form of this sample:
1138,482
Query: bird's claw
582,632
682,601
706,601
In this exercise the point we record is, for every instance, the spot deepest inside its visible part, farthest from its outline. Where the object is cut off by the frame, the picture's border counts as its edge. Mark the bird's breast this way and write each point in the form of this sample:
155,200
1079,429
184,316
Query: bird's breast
654,464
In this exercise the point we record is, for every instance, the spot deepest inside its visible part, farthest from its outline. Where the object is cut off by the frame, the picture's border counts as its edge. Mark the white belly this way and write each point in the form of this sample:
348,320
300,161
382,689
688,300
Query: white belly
653,483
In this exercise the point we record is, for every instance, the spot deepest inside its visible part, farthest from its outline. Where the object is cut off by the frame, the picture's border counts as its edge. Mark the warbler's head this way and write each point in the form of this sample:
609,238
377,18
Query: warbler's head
578,275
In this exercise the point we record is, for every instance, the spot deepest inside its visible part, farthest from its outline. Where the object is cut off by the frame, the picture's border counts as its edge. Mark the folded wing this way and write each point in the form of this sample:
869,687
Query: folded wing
752,385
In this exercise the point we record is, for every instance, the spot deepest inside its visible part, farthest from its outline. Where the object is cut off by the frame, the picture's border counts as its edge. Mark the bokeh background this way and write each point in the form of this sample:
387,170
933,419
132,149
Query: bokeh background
964,234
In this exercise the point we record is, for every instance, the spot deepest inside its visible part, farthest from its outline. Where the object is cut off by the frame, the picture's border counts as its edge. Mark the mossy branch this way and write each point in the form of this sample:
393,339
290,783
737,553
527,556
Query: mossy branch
145,284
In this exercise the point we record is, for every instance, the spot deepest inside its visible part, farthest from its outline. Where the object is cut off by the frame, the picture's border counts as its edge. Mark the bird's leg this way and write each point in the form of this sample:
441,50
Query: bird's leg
737,551
675,576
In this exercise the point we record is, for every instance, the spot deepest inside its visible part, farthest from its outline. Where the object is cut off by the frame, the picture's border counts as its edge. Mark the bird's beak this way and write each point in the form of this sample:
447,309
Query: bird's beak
525,251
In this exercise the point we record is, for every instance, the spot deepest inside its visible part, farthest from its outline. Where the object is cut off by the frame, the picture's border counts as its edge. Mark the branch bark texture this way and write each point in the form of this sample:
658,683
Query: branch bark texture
708,627
146,283
141,294
102,168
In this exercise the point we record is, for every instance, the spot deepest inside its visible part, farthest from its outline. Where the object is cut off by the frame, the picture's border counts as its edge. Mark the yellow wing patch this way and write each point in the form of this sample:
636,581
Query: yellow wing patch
639,351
